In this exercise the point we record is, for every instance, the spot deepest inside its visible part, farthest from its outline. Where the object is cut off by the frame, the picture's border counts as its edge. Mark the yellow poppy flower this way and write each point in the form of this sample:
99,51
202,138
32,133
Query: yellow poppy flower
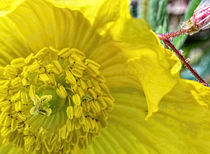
84,77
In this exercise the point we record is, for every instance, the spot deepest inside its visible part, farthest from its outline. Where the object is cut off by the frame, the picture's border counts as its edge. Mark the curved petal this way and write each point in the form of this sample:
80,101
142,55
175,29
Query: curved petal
180,126
155,79
42,24
12,42
7,6
63,28
99,12
111,11
113,65
88,8
156,68
191,90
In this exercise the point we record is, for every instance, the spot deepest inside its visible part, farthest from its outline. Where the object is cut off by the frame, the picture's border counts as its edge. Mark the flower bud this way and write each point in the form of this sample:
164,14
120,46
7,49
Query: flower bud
200,19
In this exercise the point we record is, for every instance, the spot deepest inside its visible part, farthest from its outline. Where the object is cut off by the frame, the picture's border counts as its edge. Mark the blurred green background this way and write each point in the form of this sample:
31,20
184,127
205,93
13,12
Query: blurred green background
167,16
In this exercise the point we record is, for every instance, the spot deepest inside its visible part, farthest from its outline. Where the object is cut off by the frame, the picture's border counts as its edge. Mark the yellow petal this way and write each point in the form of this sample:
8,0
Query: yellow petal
88,8
75,4
156,68
99,12
156,80
111,11
180,126
135,34
43,25
191,91
7,6
113,64
11,42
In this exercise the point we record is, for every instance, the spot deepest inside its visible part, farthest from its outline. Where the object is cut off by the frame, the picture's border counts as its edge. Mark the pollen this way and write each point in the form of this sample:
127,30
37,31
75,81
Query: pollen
53,101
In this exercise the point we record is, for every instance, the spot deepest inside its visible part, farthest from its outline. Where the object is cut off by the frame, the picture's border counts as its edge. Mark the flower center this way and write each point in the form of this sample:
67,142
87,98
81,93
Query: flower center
53,101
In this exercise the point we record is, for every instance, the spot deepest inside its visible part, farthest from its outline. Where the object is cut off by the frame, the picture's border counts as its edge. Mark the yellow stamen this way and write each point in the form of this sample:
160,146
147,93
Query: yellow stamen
53,100
76,99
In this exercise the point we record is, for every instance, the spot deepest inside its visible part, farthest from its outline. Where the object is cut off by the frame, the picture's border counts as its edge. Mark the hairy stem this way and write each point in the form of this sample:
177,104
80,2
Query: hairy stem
168,43
171,35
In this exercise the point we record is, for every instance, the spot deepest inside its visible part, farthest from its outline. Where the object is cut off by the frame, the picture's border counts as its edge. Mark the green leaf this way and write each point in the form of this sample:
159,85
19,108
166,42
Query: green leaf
157,16
153,11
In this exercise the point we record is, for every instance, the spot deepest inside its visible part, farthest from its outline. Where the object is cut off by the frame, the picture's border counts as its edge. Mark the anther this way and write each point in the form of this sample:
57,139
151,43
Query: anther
63,92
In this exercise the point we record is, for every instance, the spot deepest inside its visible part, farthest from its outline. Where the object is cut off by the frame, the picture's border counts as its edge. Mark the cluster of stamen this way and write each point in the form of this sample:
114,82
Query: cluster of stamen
53,101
